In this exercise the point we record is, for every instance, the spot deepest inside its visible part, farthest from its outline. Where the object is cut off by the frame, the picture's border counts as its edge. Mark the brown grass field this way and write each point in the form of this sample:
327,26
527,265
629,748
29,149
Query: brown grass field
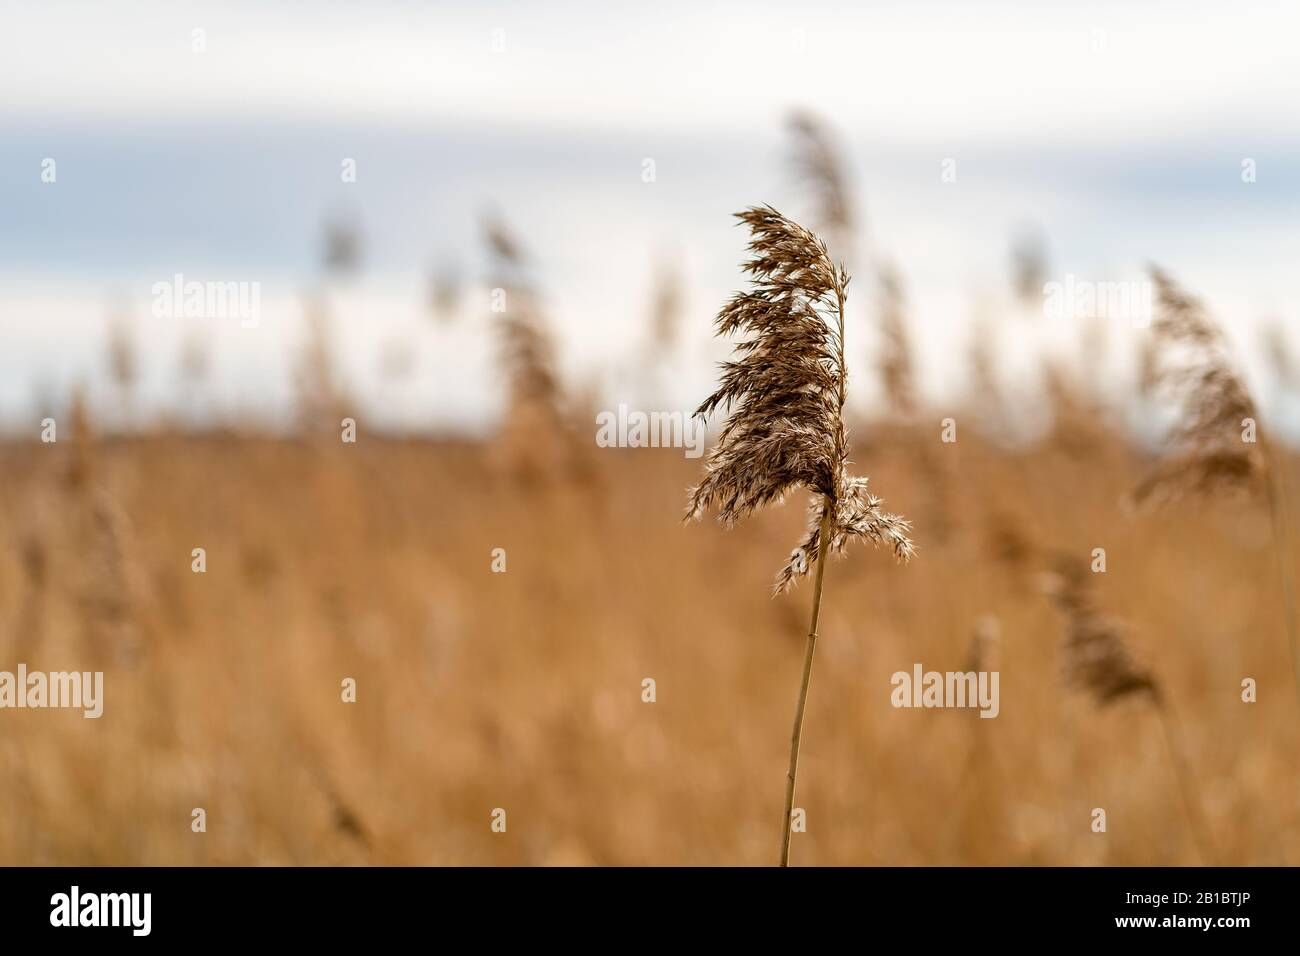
522,690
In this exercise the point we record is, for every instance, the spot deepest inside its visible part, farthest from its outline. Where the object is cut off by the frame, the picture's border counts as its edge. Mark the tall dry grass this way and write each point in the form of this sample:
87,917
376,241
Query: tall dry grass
522,690
1219,445
785,392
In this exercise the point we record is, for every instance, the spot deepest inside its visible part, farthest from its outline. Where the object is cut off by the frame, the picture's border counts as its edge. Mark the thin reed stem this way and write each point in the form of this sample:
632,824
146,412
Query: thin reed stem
797,734
1183,774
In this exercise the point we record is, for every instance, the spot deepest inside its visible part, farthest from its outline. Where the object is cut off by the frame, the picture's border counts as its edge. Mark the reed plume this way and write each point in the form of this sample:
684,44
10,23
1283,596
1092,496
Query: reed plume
320,396
980,821
657,357
444,292
108,585
527,347
819,167
785,393
666,309
895,358
1217,447
1098,662
1192,365
123,363
1097,658
535,435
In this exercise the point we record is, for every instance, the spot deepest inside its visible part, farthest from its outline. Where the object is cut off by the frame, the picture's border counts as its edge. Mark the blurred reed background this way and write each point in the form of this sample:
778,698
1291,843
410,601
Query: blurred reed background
523,170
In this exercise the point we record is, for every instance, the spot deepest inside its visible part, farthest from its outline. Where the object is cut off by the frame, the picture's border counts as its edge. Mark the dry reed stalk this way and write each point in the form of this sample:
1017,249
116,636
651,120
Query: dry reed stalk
537,441
1279,511
528,348
81,463
1177,749
1098,662
108,593
1097,658
123,365
109,585
1148,376
984,388
666,309
895,359
35,555
1216,410
657,356
982,818
1192,365
320,397
785,392
818,165
934,471
344,818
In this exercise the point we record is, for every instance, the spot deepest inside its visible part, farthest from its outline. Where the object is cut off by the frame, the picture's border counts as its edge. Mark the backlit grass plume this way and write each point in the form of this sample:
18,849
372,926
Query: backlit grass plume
895,356
785,391
666,310
1098,662
528,350
819,165
1192,365
321,395
1097,658
1219,446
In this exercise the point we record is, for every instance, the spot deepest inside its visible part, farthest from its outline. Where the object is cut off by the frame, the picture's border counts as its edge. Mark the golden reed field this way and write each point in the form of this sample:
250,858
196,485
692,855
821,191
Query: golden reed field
478,690
515,650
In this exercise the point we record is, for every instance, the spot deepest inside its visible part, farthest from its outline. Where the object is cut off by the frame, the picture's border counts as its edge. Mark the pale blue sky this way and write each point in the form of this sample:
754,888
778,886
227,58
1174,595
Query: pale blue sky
1119,129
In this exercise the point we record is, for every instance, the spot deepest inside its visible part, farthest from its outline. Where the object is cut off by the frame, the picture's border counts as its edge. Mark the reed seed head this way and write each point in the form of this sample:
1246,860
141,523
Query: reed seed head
527,347
1192,364
895,352
1097,657
785,393
819,167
